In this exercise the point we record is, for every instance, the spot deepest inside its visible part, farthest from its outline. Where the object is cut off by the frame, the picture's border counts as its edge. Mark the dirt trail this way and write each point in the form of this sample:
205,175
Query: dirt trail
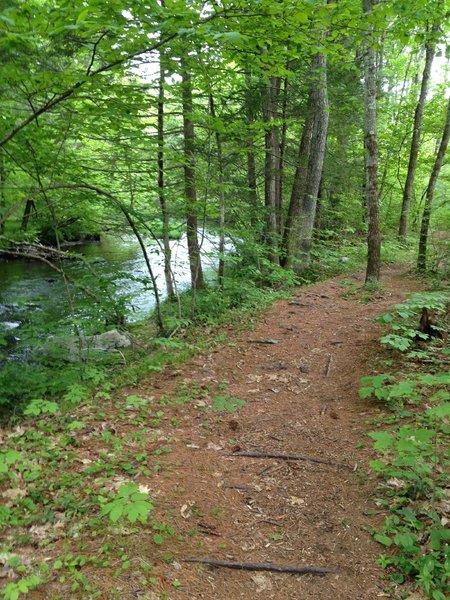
301,398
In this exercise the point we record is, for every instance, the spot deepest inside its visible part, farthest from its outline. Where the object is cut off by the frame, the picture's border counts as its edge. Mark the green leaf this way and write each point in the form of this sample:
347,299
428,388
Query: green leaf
383,440
378,465
383,539
82,16
116,512
408,541
158,539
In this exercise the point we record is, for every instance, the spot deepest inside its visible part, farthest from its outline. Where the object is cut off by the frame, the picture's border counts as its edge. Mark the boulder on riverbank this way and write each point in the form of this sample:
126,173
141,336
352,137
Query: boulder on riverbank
73,348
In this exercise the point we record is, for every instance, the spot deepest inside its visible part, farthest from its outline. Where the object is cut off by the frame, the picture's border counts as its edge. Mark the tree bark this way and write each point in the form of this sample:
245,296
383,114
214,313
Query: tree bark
29,206
161,182
195,264
415,141
291,230
220,166
2,190
319,100
283,142
371,154
250,151
423,240
272,168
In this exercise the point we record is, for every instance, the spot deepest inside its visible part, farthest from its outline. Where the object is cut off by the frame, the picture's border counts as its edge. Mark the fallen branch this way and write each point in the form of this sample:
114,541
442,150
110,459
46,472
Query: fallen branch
330,362
232,486
61,272
297,570
298,303
268,341
252,454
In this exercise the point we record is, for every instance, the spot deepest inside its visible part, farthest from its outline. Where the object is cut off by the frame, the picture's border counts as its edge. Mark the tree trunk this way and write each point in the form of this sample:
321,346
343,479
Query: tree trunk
29,206
161,183
2,190
371,156
319,97
189,181
250,151
291,230
221,193
423,240
272,169
415,141
282,154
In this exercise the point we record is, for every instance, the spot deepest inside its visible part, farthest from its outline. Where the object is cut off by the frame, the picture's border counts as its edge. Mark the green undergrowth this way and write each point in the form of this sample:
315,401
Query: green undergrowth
191,323
81,487
412,440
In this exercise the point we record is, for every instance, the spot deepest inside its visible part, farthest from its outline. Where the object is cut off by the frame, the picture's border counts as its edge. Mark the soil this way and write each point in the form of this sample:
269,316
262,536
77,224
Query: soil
298,371
301,396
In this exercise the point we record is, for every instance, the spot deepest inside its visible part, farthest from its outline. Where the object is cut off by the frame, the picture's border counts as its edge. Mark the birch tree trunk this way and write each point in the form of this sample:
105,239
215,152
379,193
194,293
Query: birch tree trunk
195,264
423,240
371,154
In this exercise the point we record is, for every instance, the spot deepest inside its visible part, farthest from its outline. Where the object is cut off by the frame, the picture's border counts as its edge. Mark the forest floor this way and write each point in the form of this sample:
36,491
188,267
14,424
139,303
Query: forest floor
298,372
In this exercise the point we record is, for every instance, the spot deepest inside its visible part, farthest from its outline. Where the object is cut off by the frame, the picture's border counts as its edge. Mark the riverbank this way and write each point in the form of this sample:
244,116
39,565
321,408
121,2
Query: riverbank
41,311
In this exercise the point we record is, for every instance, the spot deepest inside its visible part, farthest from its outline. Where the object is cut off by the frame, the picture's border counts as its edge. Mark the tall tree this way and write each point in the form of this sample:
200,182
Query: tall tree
250,151
161,181
221,182
2,190
423,240
291,229
272,168
371,148
320,118
408,192
190,189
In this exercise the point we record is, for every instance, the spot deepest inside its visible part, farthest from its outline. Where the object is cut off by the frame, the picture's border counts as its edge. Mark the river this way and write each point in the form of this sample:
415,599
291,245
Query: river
34,299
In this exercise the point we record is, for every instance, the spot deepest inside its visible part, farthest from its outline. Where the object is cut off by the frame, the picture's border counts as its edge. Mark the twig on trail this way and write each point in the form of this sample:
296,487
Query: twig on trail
251,454
297,303
318,295
297,570
330,362
232,486
264,471
271,522
268,341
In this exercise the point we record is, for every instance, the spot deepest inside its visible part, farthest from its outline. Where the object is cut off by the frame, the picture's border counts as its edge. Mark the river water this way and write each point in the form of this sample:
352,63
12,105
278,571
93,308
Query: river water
34,300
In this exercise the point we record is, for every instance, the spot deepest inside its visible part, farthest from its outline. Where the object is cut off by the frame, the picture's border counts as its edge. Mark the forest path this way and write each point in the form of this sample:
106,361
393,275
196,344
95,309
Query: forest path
301,395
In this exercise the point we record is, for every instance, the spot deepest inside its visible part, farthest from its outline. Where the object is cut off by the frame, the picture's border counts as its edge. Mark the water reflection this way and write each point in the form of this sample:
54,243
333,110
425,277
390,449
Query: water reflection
32,293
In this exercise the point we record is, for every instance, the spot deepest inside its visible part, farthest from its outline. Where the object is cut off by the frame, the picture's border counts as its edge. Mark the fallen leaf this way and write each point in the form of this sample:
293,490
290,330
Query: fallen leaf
215,447
186,511
262,582
396,483
14,493
144,489
294,501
